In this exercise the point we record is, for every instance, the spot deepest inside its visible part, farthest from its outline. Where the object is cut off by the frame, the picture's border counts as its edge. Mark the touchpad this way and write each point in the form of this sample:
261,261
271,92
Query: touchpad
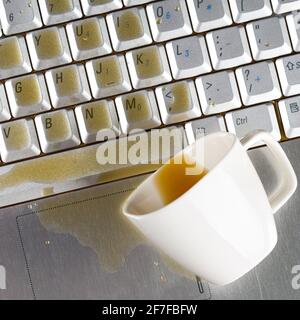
79,246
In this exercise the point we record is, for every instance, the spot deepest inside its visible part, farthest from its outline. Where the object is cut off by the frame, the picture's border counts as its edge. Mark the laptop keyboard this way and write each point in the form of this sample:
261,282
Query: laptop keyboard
71,68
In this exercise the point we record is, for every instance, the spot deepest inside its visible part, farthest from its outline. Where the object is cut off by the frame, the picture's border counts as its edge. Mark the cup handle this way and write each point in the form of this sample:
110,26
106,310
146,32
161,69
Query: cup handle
287,183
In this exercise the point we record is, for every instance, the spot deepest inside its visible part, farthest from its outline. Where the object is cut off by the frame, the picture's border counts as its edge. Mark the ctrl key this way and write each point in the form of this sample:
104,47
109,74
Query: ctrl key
290,115
261,117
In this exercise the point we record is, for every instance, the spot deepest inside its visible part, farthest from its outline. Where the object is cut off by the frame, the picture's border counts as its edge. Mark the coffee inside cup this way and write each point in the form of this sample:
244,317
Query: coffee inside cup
174,178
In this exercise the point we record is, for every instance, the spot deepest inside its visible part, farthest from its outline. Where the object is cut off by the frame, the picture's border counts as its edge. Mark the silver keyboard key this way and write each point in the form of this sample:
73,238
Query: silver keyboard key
228,47
19,16
293,22
108,76
57,130
169,19
197,128
178,102
283,6
218,92
58,11
18,140
188,57
48,47
129,29
246,10
68,85
258,83
14,58
209,14
269,38
246,120
129,3
88,38
138,110
148,66
91,7
289,74
290,115
4,109
27,95
96,119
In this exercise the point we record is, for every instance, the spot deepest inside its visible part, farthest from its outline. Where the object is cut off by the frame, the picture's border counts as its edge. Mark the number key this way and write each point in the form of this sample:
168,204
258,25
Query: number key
209,14
129,3
293,22
19,16
91,7
246,10
57,11
168,19
282,6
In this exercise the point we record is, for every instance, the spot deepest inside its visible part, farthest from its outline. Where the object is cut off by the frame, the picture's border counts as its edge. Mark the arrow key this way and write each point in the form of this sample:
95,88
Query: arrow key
289,74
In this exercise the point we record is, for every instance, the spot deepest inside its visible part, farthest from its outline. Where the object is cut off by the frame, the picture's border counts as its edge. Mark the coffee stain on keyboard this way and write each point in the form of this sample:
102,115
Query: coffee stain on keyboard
103,228
77,164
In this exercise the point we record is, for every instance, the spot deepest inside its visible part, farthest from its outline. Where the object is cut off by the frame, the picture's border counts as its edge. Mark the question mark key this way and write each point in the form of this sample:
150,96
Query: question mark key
258,83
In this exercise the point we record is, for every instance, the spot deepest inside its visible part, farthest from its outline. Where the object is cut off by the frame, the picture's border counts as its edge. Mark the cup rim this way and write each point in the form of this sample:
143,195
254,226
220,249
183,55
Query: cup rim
131,197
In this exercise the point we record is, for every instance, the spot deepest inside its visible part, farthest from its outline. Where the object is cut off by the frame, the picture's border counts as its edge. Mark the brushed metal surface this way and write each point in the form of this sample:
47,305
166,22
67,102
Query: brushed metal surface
79,246
49,249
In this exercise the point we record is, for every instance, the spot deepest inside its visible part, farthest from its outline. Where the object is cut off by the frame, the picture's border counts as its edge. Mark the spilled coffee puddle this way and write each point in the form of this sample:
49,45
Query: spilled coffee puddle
102,227
51,169
81,163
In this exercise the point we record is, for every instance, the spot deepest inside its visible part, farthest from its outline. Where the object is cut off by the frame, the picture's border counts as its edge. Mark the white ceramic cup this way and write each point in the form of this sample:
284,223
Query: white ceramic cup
223,226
